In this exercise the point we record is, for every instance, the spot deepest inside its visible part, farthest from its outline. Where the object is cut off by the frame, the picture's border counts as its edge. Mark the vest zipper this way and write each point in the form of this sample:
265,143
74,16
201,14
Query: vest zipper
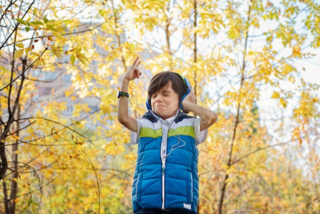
163,160
164,164
163,195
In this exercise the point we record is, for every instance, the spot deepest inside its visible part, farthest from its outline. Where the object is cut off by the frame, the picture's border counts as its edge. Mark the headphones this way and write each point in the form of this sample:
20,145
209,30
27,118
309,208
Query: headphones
188,91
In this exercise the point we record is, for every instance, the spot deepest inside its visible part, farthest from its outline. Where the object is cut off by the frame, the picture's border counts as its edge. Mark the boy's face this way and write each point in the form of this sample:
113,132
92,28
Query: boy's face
165,102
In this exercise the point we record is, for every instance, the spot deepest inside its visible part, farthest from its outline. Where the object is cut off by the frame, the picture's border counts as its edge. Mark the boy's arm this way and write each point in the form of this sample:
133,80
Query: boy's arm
208,117
123,104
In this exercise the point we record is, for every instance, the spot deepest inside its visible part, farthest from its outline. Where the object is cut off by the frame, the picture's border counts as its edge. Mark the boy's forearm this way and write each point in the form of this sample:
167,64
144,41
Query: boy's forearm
207,116
123,103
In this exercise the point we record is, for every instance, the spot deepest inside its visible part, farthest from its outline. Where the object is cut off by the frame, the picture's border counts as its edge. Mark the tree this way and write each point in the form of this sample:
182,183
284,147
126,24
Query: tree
34,42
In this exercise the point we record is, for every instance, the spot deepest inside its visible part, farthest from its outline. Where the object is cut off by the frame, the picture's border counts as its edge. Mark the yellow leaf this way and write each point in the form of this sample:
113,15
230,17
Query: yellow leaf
27,138
283,102
50,171
292,79
82,60
28,49
287,69
20,45
229,180
107,96
56,34
225,166
130,156
100,120
2,68
275,95
67,93
105,108
114,148
105,102
296,51
18,53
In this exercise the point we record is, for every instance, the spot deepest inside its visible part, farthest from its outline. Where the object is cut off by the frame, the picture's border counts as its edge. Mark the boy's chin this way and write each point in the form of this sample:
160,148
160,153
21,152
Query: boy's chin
165,115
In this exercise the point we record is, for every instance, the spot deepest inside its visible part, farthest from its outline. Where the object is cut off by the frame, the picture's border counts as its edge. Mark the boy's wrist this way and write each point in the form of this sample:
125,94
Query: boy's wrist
125,80
122,94
186,105
124,84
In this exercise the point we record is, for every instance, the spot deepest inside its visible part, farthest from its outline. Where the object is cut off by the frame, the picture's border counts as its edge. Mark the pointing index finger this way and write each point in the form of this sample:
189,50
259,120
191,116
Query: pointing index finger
135,61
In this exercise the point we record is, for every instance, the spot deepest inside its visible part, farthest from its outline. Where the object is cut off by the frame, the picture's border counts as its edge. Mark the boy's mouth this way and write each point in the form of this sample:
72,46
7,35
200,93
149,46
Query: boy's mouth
159,105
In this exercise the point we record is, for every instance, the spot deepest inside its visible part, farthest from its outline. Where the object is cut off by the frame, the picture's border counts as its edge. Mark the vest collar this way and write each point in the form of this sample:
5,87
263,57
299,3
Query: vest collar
153,117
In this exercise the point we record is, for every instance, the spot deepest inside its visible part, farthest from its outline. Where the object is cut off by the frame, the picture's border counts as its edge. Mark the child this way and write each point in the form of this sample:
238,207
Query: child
166,175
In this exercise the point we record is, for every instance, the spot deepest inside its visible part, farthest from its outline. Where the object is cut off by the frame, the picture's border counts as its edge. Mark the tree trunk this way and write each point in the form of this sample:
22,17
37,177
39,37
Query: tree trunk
195,48
15,174
224,186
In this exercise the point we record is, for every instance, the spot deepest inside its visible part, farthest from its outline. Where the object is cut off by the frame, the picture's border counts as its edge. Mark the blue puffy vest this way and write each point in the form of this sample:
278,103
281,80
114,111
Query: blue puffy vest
168,179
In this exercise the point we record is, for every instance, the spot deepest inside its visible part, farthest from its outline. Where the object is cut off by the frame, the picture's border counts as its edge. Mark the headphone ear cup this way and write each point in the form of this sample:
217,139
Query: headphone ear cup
188,85
186,94
148,104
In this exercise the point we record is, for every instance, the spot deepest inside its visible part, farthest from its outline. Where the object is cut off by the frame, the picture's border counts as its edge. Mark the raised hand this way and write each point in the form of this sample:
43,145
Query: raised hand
190,98
133,71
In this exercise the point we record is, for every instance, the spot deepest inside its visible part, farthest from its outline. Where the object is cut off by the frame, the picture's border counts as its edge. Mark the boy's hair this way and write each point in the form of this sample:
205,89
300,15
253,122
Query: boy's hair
162,78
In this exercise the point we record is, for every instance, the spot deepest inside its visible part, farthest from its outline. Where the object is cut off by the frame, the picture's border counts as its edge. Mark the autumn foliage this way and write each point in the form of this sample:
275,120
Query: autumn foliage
62,149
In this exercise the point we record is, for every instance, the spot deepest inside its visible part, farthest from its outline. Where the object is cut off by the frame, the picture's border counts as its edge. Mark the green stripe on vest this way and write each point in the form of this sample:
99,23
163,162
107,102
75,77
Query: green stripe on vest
148,132
184,130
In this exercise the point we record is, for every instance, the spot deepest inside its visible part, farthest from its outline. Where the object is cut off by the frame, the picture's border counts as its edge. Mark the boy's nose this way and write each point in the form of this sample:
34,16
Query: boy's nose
158,98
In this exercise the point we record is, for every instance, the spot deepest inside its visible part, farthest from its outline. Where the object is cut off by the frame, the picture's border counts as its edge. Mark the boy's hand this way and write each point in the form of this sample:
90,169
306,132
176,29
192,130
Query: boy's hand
208,117
190,98
133,71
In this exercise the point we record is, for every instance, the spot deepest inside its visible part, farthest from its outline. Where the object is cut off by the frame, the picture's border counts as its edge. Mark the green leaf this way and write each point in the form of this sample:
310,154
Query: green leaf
29,203
51,27
34,208
45,19
2,68
73,58
37,23
21,21
27,29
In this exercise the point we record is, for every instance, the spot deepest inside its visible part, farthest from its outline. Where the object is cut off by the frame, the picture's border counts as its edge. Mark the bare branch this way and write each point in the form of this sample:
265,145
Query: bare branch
24,70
